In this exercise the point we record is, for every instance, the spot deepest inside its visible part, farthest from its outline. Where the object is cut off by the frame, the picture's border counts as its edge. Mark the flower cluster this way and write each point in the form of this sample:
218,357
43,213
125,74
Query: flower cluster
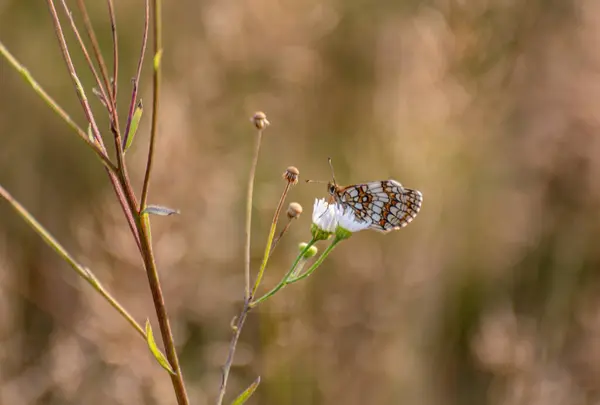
330,218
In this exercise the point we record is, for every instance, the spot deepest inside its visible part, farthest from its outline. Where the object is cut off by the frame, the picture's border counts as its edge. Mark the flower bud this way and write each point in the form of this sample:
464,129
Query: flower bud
260,121
312,251
294,210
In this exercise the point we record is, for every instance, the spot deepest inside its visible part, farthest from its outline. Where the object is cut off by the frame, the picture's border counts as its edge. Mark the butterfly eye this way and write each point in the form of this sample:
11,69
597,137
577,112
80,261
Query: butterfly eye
332,189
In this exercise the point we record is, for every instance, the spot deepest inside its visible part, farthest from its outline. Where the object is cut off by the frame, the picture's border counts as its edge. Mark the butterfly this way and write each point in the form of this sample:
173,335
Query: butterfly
386,204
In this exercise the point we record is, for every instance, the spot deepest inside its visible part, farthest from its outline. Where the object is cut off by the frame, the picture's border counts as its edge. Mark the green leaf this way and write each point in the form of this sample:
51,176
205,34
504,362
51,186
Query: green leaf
159,210
243,397
157,58
133,126
162,360
90,134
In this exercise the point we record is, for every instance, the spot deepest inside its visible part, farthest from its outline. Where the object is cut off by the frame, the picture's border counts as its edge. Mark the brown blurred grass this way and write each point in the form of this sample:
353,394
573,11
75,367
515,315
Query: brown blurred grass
490,296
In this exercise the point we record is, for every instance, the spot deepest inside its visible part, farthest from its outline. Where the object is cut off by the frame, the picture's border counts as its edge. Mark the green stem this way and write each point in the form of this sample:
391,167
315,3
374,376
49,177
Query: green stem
285,278
156,81
56,108
81,270
317,263
267,254
248,227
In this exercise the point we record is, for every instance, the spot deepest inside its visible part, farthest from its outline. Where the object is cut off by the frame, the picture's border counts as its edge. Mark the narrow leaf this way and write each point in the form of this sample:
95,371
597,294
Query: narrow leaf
157,58
90,134
162,360
135,122
159,210
243,397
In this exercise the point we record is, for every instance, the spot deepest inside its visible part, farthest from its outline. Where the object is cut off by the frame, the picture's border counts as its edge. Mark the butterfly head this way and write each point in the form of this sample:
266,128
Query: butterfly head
332,188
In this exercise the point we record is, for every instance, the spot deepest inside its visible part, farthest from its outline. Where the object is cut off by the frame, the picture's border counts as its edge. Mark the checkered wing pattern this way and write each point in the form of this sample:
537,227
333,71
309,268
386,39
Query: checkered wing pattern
386,204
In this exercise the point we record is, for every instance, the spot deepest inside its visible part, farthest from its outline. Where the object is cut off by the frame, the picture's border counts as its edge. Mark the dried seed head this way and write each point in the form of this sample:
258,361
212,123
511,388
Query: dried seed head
294,210
291,175
260,121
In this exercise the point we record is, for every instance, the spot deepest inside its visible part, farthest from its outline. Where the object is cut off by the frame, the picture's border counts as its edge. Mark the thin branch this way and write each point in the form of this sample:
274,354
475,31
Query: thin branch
85,52
67,56
144,226
260,122
81,270
113,29
155,98
136,80
248,228
161,312
287,276
281,234
120,187
95,47
100,152
126,204
267,254
237,331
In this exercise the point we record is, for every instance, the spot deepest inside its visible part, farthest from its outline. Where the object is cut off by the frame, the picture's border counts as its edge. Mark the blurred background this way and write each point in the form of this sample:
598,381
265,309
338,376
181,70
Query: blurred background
491,296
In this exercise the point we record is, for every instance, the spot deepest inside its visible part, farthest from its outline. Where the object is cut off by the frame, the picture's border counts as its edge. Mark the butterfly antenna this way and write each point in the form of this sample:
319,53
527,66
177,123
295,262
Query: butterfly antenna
316,181
332,172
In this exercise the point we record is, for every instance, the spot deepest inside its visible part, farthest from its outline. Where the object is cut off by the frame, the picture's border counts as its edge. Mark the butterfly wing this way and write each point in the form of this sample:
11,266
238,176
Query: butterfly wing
386,204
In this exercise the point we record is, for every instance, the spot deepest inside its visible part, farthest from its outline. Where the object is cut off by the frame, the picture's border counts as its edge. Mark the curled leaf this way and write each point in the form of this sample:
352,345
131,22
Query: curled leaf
158,355
159,210
243,397
135,122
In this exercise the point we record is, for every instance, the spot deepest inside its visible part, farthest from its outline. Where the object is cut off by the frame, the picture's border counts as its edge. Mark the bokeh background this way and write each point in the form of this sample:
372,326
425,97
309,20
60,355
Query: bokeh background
491,296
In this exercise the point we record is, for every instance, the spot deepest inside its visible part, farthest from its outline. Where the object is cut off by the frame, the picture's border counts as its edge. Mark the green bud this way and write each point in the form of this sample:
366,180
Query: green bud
312,251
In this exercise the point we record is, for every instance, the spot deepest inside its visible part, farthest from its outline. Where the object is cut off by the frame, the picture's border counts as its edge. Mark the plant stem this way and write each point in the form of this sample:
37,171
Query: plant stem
285,278
317,263
248,229
136,80
267,254
232,346
161,311
113,30
81,270
283,231
121,188
71,68
100,152
95,47
155,99
86,54
143,224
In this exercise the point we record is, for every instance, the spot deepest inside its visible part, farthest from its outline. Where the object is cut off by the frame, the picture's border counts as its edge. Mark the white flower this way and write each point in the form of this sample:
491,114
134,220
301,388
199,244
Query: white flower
324,216
348,221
